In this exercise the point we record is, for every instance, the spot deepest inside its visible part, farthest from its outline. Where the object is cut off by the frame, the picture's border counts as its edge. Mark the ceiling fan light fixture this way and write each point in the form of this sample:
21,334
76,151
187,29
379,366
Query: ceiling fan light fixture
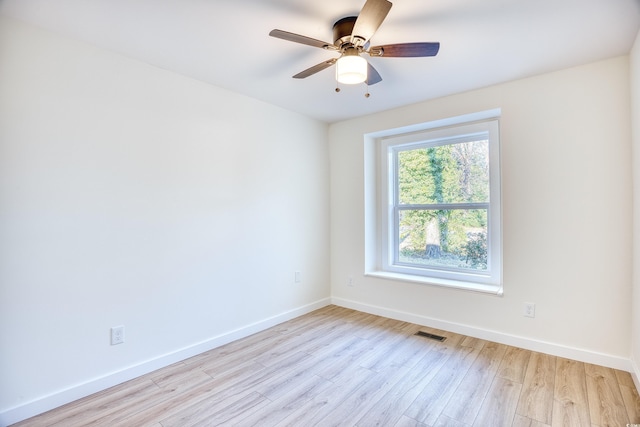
351,37
351,69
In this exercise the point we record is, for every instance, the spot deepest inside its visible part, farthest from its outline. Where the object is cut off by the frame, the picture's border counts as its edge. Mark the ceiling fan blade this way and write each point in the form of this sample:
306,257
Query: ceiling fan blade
316,68
406,50
371,16
373,76
297,38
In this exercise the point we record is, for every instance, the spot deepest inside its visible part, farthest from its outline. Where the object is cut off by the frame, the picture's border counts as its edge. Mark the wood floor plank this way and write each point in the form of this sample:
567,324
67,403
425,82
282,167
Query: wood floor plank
337,366
135,410
339,349
465,404
278,384
326,337
334,367
631,402
130,407
499,407
214,410
107,405
430,403
409,422
161,404
240,347
606,406
369,327
234,413
314,320
387,346
570,402
408,328
250,382
452,339
389,409
629,396
407,353
354,406
520,421
514,364
473,342
444,421
217,388
177,374
289,403
74,410
314,340
218,392
319,407
624,378
536,401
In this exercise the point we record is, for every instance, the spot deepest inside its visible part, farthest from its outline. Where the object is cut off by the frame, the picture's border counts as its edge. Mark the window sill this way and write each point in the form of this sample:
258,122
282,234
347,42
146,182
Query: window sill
467,286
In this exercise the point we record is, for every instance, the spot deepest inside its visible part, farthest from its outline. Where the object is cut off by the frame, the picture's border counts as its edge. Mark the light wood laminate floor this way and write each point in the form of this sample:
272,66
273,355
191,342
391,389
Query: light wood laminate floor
339,367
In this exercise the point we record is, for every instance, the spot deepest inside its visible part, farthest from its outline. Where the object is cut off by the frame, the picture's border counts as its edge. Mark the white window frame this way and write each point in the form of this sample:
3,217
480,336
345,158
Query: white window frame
380,253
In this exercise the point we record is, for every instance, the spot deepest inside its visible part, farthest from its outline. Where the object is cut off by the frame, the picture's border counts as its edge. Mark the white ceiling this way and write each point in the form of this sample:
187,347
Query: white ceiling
226,43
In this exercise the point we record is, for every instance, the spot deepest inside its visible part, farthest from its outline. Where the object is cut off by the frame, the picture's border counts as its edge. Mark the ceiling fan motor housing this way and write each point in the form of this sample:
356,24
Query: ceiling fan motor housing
342,30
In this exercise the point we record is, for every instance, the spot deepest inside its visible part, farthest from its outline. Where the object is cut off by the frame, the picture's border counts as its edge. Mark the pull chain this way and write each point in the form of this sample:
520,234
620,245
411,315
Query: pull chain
366,95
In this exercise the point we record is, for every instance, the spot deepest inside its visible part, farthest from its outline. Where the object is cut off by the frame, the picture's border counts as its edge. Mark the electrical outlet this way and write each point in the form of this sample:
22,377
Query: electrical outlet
350,281
529,309
117,335
296,276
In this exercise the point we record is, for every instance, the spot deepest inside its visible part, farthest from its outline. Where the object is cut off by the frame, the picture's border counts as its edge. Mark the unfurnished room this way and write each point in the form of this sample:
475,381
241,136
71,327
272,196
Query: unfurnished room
339,213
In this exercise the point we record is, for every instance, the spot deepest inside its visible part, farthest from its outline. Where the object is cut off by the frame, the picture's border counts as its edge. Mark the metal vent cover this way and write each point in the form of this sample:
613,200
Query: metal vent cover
430,336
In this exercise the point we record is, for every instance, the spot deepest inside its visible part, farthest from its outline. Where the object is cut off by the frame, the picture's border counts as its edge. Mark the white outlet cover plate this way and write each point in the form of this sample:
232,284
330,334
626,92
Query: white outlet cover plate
117,335
529,309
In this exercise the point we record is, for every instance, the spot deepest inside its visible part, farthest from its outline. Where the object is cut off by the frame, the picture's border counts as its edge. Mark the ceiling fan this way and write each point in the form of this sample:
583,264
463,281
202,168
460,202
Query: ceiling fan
351,37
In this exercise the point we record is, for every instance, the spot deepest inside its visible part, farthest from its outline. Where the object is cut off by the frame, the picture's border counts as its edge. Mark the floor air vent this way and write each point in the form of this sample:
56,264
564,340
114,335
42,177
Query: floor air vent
430,336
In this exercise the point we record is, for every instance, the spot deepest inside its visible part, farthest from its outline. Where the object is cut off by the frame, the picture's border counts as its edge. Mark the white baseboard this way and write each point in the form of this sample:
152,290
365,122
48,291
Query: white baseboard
635,373
62,397
489,335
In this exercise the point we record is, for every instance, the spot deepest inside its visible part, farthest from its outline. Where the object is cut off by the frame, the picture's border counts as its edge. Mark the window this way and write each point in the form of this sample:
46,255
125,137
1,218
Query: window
438,217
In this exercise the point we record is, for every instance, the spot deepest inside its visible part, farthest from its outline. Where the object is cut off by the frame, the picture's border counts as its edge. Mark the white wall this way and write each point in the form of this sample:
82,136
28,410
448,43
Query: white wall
635,131
133,196
566,179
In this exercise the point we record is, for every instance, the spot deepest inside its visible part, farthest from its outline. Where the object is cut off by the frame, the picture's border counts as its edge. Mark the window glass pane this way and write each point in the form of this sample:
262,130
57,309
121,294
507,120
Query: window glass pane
455,173
451,239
